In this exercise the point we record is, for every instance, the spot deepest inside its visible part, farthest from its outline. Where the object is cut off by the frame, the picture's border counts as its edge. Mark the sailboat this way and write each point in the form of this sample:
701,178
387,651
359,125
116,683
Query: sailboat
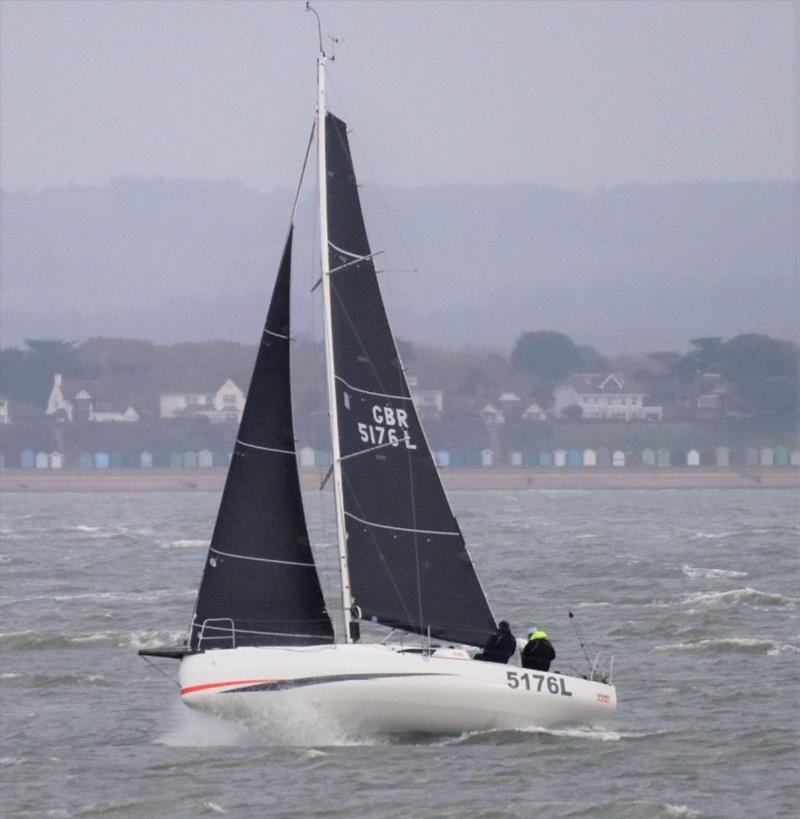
261,638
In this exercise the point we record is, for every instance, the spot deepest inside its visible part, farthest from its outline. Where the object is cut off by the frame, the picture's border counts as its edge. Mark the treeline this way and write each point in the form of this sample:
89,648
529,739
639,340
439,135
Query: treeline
762,372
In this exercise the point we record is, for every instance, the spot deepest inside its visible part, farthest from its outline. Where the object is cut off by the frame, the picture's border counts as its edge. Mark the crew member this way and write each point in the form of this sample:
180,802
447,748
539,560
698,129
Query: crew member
500,646
538,652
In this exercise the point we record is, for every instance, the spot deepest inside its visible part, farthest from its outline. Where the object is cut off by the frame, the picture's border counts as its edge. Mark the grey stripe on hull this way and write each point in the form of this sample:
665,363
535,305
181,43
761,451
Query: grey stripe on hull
300,682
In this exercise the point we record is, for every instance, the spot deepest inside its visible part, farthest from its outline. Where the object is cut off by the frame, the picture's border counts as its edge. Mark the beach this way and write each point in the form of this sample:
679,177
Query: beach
581,478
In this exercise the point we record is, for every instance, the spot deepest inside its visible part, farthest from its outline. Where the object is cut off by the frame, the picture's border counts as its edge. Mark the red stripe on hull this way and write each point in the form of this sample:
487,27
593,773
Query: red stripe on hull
191,689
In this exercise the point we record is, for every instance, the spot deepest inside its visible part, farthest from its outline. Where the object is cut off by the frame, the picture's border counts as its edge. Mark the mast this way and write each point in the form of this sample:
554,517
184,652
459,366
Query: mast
341,535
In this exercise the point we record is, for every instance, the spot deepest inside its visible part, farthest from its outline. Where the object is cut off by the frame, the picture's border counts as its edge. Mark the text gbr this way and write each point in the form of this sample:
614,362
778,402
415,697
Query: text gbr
390,427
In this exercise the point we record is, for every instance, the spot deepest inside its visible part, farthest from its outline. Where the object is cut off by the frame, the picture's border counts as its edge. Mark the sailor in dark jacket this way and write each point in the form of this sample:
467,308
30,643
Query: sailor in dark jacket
500,646
538,652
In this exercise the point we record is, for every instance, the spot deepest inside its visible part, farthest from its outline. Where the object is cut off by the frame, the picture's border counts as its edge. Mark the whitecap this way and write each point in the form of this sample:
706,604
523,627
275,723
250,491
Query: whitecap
10,675
82,528
313,753
714,535
734,597
185,544
787,648
212,807
154,639
697,571
681,812
742,644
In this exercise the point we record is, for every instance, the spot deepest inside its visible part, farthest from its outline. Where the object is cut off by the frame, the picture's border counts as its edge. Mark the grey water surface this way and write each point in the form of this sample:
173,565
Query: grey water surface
695,593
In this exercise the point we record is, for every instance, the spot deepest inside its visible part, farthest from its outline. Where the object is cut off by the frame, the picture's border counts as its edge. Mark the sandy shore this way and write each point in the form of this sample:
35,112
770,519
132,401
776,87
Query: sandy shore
212,480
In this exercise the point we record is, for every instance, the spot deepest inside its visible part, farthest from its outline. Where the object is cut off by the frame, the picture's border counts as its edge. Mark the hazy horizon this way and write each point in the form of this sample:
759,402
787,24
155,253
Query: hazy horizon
570,94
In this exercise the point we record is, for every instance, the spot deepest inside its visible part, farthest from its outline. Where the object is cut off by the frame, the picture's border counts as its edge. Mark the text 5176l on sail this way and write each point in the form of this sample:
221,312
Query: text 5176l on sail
261,637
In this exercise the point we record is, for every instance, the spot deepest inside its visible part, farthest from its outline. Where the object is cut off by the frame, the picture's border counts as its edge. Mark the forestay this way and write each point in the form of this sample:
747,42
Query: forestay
409,567
260,585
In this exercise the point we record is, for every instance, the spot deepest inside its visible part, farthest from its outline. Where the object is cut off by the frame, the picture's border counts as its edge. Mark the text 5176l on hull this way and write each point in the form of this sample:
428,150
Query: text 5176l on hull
261,639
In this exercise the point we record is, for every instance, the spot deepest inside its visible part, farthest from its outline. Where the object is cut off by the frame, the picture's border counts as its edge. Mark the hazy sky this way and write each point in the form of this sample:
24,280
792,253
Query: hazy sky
575,94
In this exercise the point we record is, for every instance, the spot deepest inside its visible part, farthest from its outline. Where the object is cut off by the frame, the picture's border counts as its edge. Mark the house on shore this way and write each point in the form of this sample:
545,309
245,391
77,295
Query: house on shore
73,401
603,397
225,403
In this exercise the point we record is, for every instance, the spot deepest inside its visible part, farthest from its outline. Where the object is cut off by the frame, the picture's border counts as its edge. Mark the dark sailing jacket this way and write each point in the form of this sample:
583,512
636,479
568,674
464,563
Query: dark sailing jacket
538,654
499,648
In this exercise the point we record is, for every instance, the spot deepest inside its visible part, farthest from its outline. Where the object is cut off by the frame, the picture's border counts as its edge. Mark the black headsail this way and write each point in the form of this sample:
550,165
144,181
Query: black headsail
409,567
260,584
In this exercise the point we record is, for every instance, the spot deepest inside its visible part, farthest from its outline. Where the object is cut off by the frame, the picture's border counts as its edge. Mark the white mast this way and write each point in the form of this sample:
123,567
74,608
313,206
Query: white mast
347,598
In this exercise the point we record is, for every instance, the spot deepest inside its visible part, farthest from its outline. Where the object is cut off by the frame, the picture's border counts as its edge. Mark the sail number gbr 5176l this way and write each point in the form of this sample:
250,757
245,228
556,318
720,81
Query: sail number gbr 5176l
537,682
390,427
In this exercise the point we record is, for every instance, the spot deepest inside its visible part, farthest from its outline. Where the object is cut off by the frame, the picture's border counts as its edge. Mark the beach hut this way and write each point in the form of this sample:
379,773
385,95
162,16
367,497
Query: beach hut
574,458
55,460
190,460
723,456
663,457
515,458
708,457
27,460
115,460
85,460
737,457
41,460
648,457
160,460
618,458
603,456
145,460
692,458
794,457
101,460
487,457
322,458
781,456
530,458
751,456
545,459
589,457
306,457
175,460
767,456
560,457
443,458
205,459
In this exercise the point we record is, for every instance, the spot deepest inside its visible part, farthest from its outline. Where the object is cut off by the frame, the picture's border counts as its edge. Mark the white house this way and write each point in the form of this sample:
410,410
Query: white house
534,413
5,411
492,416
224,404
603,397
77,401
428,403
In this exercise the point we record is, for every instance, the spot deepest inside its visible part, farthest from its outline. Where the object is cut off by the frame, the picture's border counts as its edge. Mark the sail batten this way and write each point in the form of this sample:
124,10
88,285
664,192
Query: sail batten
260,585
408,564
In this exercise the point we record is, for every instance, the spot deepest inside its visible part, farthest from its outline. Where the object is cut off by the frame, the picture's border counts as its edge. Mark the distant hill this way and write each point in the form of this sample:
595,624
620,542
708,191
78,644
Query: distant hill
633,268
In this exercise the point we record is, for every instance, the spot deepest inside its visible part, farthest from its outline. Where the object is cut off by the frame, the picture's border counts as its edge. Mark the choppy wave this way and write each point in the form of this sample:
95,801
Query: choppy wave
697,571
56,680
681,812
735,597
29,639
185,544
740,644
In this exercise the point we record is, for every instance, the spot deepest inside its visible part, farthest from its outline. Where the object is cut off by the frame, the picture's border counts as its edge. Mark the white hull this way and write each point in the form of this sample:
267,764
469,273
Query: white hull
376,689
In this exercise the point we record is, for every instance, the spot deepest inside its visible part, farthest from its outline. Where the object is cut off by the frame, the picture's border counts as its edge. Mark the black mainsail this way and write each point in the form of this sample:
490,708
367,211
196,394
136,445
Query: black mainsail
260,585
408,564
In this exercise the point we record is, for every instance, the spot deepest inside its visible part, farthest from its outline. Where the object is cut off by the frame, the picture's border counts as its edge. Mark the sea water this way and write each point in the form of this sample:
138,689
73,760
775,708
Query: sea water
694,592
